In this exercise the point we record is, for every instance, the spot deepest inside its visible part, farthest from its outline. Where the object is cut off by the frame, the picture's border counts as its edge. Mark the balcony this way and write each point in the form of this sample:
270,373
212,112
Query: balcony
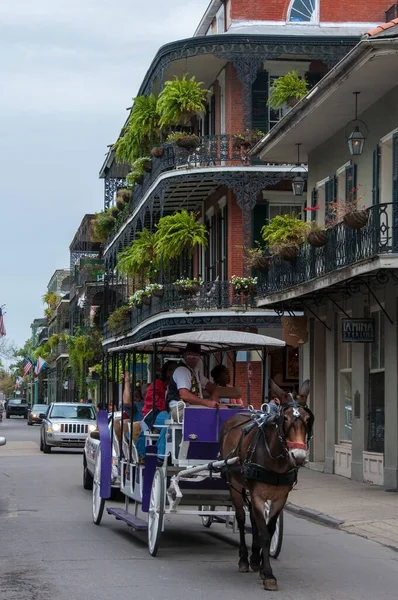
214,153
212,297
345,248
43,336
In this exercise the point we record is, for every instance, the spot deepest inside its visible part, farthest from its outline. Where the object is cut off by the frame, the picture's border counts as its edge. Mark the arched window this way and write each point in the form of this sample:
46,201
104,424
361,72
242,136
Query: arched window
303,11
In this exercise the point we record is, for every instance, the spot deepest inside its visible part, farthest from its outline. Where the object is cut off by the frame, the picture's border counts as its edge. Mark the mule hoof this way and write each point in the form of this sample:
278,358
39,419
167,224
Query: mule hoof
244,567
271,585
255,567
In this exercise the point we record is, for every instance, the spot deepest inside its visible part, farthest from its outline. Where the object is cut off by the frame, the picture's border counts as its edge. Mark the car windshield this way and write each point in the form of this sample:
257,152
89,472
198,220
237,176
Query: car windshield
17,401
39,408
73,412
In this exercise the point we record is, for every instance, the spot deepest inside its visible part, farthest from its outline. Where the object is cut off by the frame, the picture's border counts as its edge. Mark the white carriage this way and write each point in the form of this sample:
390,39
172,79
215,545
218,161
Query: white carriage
189,481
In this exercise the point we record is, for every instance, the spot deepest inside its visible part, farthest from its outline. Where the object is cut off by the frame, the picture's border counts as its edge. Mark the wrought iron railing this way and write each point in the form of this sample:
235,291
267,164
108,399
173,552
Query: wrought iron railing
344,247
212,151
43,336
210,296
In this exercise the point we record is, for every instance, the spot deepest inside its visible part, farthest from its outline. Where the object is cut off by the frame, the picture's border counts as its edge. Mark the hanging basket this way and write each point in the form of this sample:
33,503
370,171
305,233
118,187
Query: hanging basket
157,152
189,142
158,293
146,300
356,219
261,264
288,253
147,166
317,239
138,305
292,102
187,290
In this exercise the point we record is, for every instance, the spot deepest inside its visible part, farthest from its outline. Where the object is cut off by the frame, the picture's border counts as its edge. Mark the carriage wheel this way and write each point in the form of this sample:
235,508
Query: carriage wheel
98,502
207,520
276,541
156,512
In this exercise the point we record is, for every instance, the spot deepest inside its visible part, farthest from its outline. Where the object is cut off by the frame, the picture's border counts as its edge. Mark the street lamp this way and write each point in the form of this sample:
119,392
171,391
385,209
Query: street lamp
298,182
359,131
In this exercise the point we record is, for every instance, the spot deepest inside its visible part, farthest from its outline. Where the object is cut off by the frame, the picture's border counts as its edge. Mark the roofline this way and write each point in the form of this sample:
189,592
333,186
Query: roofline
208,17
320,92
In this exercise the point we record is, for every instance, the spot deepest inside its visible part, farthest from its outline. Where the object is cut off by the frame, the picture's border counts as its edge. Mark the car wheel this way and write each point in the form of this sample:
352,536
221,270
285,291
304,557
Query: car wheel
25,417
7,416
41,444
87,477
46,447
29,423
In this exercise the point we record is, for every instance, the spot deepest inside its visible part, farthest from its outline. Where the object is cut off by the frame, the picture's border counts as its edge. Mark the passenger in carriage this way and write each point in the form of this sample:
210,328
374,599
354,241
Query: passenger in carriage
128,408
222,378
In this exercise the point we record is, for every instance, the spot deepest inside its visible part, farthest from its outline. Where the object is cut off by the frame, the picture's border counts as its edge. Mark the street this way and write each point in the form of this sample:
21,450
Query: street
50,549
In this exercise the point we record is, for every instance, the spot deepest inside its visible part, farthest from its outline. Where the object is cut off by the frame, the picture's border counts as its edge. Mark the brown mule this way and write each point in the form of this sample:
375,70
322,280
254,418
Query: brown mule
269,456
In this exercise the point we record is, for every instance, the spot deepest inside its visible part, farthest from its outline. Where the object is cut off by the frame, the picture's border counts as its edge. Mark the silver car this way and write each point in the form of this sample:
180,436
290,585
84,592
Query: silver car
66,425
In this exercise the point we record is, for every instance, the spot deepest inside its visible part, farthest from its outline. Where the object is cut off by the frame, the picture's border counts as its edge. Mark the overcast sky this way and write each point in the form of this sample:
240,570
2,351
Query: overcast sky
69,69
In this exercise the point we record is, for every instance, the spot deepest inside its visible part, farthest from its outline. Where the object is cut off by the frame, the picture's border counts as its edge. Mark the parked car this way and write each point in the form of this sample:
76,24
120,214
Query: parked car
17,407
35,412
90,455
66,425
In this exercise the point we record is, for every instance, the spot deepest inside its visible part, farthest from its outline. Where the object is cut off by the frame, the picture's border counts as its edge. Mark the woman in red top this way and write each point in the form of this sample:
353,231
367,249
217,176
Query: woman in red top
160,389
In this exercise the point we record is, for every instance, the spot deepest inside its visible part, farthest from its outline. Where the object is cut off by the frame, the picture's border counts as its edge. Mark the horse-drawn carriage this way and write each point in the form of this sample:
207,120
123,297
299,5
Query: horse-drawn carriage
220,463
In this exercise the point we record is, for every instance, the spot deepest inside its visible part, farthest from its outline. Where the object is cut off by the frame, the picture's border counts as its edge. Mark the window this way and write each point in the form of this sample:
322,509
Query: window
220,19
281,209
303,11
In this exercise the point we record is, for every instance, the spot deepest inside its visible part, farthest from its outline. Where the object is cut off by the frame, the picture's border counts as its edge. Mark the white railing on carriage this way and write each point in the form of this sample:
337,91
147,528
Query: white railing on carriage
197,473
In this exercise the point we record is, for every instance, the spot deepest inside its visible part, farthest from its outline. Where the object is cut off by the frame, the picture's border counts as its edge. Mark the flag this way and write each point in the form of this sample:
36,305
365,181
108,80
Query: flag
40,365
27,365
2,328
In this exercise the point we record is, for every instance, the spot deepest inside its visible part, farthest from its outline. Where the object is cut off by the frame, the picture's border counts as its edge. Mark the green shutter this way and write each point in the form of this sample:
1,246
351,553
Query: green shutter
330,197
314,200
351,182
259,102
395,168
260,215
376,176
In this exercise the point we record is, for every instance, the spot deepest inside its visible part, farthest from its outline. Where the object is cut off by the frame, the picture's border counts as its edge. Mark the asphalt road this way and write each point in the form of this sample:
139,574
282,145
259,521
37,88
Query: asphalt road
51,550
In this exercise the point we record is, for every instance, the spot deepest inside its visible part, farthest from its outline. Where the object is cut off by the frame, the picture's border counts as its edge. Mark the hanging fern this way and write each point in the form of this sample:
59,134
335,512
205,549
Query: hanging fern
180,100
139,257
179,233
287,89
142,130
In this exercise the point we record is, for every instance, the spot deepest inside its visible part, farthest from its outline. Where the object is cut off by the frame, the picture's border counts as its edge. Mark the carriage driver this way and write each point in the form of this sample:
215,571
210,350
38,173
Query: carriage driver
188,384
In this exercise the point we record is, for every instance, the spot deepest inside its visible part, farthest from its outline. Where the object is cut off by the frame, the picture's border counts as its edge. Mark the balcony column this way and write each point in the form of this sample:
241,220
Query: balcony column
247,68
390,398
331,394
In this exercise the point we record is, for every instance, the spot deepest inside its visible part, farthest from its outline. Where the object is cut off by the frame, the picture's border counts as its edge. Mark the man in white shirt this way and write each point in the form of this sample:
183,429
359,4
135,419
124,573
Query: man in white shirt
188,384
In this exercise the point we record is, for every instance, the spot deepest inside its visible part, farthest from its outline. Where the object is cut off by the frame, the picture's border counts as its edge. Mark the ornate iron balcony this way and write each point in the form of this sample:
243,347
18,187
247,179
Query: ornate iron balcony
344,247
210,296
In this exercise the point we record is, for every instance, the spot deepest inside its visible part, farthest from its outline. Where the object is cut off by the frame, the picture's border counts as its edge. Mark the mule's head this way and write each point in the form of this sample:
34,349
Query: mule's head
296,421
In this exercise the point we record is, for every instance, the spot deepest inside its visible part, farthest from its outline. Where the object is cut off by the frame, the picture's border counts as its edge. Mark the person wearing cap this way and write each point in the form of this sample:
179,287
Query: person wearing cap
189,385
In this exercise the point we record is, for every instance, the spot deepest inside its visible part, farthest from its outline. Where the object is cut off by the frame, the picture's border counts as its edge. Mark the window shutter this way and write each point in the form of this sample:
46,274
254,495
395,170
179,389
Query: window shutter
330,196
350,182
376,176
314,200
259,102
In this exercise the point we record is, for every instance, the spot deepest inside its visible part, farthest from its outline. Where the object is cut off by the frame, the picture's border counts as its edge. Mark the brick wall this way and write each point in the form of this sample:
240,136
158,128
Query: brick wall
368,11
235,237
233,101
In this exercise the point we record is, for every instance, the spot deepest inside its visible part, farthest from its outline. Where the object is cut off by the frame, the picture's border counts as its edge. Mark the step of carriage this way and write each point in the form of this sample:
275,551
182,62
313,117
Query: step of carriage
128,518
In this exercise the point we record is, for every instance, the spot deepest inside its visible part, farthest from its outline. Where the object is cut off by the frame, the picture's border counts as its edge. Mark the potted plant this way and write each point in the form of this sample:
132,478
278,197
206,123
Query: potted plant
183,140
349,211
155,289
139,298
255,258
244,285
187,287
247,139
114,211
157,152
103,223
317,236
180,100
179,234
284,234
123,197
118,318
288,89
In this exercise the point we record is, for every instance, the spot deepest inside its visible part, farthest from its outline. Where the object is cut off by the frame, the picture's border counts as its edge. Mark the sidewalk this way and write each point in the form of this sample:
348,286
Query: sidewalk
359,508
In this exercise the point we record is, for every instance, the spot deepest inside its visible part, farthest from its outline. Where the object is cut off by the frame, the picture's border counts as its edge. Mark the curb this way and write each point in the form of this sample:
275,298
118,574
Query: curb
313,515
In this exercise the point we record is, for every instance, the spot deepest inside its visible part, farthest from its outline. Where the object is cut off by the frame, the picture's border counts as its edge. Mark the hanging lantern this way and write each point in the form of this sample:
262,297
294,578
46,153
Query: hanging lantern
359,131
298,185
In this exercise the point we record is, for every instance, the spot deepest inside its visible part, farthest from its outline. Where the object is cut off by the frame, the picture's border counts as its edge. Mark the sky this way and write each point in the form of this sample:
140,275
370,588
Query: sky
69,69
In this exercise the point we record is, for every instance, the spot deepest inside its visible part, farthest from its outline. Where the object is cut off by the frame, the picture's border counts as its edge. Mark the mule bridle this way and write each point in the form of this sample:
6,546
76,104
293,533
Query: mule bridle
295,405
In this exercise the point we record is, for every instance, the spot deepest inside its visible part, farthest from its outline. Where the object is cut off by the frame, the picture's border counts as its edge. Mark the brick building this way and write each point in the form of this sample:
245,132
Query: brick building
237,51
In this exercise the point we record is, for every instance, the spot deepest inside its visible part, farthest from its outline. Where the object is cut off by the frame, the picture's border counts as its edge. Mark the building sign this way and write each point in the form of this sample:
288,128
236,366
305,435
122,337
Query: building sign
358,330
